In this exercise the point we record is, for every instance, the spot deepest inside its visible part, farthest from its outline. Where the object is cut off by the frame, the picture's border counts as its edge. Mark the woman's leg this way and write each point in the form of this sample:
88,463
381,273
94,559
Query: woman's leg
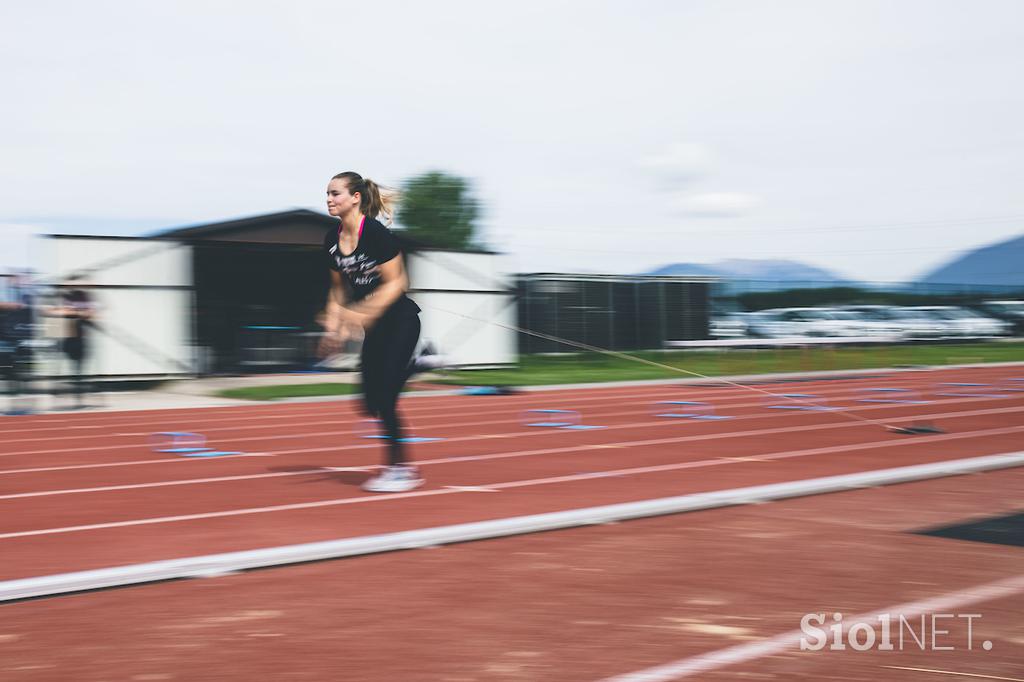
74,348
372,369
393,343
399,354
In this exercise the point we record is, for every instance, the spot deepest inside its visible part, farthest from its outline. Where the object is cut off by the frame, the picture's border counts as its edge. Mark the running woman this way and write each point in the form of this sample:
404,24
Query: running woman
368,285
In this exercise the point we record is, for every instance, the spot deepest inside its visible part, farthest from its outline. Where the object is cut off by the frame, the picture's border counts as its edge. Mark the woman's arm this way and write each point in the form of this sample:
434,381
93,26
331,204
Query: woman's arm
87,312
334,309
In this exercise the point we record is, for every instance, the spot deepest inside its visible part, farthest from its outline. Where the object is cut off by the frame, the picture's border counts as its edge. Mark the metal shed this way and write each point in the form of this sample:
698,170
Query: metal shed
618,312
242,295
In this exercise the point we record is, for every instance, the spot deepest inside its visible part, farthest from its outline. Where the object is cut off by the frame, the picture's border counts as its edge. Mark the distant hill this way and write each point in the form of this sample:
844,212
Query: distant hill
1000,264
686,269
785,272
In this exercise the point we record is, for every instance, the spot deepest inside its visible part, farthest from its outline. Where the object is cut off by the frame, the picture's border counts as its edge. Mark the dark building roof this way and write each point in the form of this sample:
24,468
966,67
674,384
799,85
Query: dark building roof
299,226
296,227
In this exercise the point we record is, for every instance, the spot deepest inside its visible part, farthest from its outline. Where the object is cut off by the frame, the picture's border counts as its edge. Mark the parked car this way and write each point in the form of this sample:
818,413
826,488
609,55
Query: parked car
964,323
801,322
864,326
729,326
902,322
1007,311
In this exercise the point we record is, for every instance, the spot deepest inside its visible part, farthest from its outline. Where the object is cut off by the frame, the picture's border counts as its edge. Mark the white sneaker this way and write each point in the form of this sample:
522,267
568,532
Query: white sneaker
427,358
396,479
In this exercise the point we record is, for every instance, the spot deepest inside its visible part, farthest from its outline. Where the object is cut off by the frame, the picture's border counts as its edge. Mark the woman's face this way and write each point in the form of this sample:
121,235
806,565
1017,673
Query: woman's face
339,201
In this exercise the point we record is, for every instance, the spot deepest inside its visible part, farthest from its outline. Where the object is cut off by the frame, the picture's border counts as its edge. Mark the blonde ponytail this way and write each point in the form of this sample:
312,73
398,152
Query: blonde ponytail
374,200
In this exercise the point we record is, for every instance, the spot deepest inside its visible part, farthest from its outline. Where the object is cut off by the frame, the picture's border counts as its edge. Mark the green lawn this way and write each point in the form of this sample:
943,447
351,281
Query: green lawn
590,367
535,370
289,391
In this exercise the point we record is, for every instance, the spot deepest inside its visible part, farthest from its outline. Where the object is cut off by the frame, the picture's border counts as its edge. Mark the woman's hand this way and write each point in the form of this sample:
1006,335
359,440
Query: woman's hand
347,317
330,344
333,341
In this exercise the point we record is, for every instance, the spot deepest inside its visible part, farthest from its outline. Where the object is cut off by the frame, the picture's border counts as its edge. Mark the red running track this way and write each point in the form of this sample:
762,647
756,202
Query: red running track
577,605
86,491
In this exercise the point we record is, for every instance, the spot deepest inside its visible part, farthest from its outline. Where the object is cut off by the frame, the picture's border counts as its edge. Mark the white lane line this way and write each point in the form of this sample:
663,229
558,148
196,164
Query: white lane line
544,451
427,411
616,427
232,512
767,457
349,423
703,437
426,405
163,484
662,392
230,562
954,673
790,641
375,498
424,424
136,462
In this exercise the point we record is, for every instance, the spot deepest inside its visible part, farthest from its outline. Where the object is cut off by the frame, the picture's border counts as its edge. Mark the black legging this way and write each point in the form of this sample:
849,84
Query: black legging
75,349
386,356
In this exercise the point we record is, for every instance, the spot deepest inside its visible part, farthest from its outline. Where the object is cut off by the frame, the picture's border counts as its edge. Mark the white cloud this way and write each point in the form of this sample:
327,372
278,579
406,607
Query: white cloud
713,204
679,164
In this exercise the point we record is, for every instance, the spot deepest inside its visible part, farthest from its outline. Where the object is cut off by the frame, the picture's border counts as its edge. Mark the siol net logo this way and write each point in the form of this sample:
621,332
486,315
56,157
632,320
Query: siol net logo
890,632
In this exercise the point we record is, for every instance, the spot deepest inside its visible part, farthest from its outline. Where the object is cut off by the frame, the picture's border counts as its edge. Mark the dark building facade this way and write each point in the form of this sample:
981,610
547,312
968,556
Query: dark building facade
259,283
613,312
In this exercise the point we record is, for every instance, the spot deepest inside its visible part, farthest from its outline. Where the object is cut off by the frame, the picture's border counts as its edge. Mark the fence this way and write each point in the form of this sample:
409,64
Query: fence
618,313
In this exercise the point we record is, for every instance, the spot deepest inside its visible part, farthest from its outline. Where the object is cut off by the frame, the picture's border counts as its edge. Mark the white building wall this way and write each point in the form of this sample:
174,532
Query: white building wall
465,297
143,289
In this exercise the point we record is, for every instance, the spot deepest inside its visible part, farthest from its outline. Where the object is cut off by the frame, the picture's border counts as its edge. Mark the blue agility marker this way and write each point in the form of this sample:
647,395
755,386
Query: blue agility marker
488,390
178,442
687,409
556,419
1014,384
209,453
184,443
811,402
903,396
370,428
961,389
480,390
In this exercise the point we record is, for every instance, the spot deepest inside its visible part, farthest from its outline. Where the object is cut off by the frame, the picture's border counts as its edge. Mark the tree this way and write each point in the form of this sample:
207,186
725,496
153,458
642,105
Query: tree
439,210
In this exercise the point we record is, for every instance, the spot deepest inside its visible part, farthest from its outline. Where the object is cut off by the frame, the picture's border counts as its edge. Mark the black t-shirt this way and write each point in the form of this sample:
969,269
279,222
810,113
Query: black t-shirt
360,269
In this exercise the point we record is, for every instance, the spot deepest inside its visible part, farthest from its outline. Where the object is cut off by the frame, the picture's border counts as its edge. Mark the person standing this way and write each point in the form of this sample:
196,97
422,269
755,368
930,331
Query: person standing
18,329
368,287
79,309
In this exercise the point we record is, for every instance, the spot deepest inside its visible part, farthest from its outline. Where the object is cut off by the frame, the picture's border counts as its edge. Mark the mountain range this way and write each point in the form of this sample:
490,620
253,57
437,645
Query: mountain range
782,271
998,264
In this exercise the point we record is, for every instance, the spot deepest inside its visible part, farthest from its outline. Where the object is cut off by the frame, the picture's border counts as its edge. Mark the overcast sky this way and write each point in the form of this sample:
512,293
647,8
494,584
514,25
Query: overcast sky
875,138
